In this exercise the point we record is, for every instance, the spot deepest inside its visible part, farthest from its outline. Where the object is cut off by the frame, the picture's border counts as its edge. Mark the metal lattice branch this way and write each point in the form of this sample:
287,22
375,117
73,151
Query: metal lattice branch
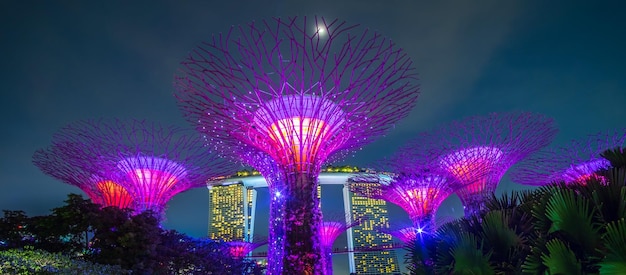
477,151
151,162
346,86
575,162
70,164
420,193
300,91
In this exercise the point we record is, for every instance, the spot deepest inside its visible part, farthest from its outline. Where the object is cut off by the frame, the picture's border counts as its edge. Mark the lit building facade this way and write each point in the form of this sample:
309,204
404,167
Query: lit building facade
231,212
227,199
364,236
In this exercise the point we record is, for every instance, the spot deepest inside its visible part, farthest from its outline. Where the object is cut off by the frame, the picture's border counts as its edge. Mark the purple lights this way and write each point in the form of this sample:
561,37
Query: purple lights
576,162
329,231
420,194
130,164
476,152
300,91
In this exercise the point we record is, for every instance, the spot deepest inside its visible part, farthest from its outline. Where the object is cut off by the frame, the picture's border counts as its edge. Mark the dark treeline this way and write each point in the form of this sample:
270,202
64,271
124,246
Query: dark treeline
112,236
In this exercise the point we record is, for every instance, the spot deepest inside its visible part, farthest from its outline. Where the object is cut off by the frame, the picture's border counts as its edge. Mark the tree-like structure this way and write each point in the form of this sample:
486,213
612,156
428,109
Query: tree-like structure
574,163
299,90
329,231
66,162
239,249
477,151
405,234
419,193
151,162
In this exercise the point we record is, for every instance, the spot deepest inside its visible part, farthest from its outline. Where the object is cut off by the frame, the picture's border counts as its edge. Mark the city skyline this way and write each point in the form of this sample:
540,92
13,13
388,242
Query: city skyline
73,61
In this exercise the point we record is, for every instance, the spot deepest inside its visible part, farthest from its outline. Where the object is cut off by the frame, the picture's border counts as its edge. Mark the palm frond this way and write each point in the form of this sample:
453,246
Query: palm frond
560,259
469,257
615,244
573,215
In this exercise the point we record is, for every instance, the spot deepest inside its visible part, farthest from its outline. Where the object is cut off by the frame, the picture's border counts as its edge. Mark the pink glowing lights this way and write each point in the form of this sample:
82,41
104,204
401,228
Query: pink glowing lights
478,151
573,163
300,96
113,194
132,163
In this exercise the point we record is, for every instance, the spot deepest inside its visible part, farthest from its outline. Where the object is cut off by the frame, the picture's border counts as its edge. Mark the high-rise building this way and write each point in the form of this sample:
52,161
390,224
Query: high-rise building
231,212
225,219
365,237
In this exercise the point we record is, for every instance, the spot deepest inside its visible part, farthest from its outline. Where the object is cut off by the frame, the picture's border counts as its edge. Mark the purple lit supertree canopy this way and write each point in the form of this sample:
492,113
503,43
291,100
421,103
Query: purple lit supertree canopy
151,162
477,151
331,228
300,90
239,249
574,163
414,186
68,163
403,233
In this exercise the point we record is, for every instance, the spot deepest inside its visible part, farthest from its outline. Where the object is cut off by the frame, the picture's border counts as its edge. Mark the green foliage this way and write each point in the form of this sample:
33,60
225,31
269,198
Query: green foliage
615,240
19,261
560,259
79,238
469,257
556,229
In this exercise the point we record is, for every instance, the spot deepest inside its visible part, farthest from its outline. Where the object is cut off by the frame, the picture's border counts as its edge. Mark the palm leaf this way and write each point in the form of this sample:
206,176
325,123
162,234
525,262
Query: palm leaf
616,156
573,215
615,244
469,257
560,259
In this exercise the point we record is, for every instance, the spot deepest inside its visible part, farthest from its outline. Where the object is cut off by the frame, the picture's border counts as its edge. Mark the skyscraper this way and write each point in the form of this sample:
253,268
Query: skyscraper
226,201
231,212
364,236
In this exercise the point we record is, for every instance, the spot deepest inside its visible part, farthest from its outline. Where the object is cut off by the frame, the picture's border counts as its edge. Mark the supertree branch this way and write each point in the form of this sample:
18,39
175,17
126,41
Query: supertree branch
70,164
332,227
152,163
239,249
301,91
345,87
477,151
419,193
572,163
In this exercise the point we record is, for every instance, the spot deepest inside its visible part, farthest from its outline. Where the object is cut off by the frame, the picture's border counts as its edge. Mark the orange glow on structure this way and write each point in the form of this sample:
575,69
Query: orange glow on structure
302,136
114,194
150,178
422,198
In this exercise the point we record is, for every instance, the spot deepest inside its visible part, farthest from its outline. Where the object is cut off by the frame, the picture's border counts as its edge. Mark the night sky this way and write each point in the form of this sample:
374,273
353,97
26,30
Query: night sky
62,61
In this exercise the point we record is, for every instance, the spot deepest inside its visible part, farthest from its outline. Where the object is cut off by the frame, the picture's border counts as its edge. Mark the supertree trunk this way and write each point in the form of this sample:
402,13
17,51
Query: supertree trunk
327,253
303,217
276,239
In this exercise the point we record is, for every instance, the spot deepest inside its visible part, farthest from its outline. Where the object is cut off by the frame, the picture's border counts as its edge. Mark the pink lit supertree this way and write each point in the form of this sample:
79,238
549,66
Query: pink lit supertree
150,162
275,182
419,191
239,249
300,90
331,228
574,163
66,162
406,233
477,151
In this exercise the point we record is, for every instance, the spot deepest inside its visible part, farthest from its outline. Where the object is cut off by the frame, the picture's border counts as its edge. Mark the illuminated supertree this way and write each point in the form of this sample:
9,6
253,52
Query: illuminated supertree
275,182
239,249
329,231
152,163
300,91
404,233
419,193
574,163
66,162
477,151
